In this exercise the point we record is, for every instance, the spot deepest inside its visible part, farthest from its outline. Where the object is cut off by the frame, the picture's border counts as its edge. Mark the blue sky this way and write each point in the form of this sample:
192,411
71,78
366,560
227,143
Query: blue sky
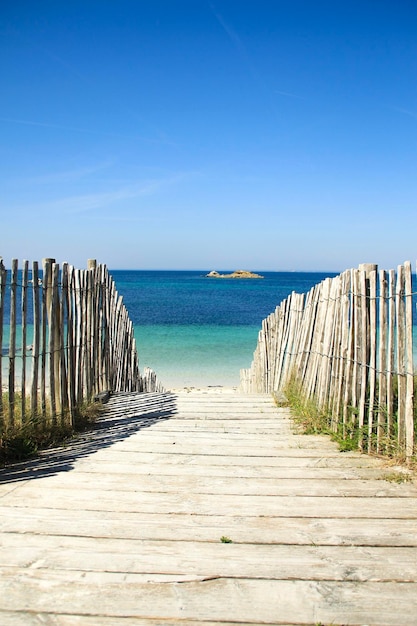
209,134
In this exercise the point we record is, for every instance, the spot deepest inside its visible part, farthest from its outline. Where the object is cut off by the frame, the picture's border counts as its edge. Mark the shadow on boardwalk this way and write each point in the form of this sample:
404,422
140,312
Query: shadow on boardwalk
124,415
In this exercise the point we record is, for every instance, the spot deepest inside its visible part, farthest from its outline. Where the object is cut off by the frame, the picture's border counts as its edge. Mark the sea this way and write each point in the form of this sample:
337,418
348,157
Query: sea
197,331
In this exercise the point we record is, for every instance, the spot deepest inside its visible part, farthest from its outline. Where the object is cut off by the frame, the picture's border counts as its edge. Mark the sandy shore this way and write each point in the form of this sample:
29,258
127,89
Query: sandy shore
209,389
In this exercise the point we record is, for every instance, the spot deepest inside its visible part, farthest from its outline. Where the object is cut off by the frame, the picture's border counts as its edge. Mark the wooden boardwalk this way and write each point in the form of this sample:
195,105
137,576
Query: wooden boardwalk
125,526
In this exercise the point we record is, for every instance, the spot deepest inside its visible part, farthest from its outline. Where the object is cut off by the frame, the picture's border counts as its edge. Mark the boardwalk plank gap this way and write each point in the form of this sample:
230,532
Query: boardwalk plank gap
205,507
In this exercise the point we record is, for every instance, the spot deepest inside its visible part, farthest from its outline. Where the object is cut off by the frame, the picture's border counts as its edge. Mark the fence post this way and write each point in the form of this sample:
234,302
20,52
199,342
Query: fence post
400,354
25,272
348,353
382,367
50,292
365,270
12,343
36,340
3,280
409,400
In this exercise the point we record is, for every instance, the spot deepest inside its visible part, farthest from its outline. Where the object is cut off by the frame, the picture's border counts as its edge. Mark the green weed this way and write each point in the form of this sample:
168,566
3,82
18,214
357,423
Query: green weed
397,477
24,438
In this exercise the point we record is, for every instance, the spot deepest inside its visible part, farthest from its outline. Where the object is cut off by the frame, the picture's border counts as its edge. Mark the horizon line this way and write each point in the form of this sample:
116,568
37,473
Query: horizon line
179,269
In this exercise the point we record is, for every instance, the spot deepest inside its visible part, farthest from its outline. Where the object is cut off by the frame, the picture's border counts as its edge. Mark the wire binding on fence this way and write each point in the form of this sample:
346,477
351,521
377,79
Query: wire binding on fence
348,343
82,341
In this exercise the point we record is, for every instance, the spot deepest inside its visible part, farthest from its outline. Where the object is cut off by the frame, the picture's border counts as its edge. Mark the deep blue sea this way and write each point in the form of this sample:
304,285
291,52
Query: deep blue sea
198,331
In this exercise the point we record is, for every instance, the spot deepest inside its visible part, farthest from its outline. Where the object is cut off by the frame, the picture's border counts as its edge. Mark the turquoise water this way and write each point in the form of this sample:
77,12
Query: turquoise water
196,355
196,331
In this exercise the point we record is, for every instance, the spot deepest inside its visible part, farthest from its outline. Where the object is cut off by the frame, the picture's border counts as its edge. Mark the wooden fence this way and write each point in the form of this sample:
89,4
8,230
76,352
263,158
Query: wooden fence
348,343
65,336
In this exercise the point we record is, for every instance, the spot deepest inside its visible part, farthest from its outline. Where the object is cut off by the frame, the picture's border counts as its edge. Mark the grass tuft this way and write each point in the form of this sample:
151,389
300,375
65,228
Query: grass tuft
397,477
24,439
311,419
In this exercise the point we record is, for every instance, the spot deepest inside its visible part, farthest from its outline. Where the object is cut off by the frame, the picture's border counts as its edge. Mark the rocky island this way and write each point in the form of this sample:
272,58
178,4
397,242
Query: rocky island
236,274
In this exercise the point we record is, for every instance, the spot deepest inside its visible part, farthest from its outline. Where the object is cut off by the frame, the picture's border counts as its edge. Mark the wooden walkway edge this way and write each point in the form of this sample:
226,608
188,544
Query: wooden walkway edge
131,524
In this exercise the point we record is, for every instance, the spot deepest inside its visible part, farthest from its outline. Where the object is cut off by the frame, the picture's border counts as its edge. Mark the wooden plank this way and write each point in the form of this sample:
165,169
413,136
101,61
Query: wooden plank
135,511
203,560
242,529
63,347
106,324
355,349
12,341
285,471
101,330
231,505
46,280
223,435
282,317
400,356
363,354
292,460
218,599
339,328
56,360
294,313
305,336
52,334
315,362
3,285
19,618
88,312
96,338
36,340
78,335
409,360
326,348
382,361
390,352
83,321
70,298
372,330
24,308
222,447
224,484
349,381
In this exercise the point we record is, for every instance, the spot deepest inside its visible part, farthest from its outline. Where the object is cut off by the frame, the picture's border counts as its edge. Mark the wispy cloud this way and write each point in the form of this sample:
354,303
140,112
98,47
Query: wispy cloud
404,111
41,48
56,126
233,36
89,82
85,203
159,139
245,57
288,94
68,175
